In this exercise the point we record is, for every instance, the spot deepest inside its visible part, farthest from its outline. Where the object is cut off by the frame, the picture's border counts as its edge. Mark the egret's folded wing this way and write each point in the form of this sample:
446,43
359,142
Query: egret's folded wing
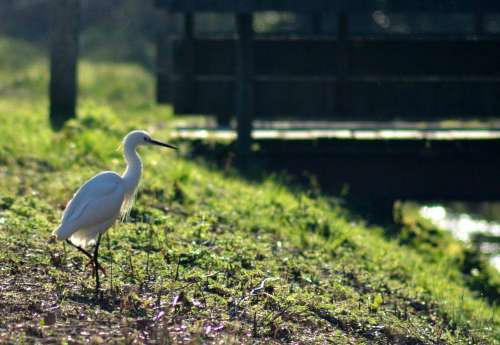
99,199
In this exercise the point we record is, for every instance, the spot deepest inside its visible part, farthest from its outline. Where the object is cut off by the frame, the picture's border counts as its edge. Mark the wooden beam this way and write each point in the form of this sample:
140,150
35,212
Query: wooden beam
247,6
383,98
361,7
64,27
367,57
244,82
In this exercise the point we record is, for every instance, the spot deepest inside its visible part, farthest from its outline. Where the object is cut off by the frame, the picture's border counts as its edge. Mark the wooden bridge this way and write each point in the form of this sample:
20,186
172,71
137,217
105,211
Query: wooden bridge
383,114
351,78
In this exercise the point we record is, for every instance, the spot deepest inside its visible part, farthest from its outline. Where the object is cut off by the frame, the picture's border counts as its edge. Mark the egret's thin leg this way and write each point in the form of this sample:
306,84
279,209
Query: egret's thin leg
80,249
96,263
110,261
65,254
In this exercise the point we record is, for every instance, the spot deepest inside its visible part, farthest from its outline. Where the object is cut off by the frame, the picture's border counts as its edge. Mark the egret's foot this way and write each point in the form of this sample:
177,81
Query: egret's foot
91,263
99,295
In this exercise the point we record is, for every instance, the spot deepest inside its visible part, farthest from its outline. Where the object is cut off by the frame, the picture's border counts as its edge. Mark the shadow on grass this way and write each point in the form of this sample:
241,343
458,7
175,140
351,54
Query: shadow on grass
302,176
88,297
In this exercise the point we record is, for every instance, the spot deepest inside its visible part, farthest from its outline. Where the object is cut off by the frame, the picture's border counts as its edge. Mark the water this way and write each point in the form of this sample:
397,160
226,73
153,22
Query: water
463,226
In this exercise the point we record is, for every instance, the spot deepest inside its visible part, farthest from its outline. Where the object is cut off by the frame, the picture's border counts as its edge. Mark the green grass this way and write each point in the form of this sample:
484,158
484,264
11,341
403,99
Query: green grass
206,255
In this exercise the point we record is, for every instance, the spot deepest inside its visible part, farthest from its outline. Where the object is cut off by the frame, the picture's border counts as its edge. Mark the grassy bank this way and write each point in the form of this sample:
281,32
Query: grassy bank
206,255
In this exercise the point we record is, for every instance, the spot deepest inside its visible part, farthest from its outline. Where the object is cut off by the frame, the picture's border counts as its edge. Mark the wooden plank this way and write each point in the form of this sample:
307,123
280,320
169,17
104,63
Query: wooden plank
366,99
320,57
282,99
215,98
219,56
295,57
289,130
301,57
246,6
244,81
423,100
64,22
359,6
425,57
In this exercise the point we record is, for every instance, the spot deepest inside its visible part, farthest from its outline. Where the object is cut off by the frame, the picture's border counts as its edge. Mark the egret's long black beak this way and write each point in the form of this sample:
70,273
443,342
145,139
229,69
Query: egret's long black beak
159,143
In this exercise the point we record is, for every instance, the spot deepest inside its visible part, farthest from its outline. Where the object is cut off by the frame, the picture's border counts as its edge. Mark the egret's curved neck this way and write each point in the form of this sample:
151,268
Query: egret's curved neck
132,174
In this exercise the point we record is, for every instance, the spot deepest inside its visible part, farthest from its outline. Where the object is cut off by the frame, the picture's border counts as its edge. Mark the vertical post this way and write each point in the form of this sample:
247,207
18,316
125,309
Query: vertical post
186,92
244,81
164,58
64,28
342,62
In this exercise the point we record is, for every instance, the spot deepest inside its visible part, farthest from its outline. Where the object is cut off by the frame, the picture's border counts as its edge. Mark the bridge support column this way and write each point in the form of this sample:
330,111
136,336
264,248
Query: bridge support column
185,95
64,27
244,82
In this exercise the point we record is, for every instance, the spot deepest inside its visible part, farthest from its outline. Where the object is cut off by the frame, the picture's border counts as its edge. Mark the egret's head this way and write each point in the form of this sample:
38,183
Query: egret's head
136,138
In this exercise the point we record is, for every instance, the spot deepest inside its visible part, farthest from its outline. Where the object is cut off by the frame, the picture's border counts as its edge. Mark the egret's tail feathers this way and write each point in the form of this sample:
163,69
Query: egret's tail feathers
82,238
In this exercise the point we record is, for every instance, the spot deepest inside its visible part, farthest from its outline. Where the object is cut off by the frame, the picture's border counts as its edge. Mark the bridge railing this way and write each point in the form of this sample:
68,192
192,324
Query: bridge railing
340,76
302,78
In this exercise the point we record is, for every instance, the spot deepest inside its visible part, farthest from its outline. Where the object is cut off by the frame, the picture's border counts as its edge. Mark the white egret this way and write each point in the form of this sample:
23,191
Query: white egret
100,201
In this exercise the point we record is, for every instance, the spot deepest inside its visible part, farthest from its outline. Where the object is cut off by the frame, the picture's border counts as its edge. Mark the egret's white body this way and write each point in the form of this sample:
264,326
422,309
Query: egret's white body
99,202
93,209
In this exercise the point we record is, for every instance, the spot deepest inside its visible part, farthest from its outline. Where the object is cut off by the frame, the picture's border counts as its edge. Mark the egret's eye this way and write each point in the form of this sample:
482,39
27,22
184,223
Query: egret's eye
145,138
